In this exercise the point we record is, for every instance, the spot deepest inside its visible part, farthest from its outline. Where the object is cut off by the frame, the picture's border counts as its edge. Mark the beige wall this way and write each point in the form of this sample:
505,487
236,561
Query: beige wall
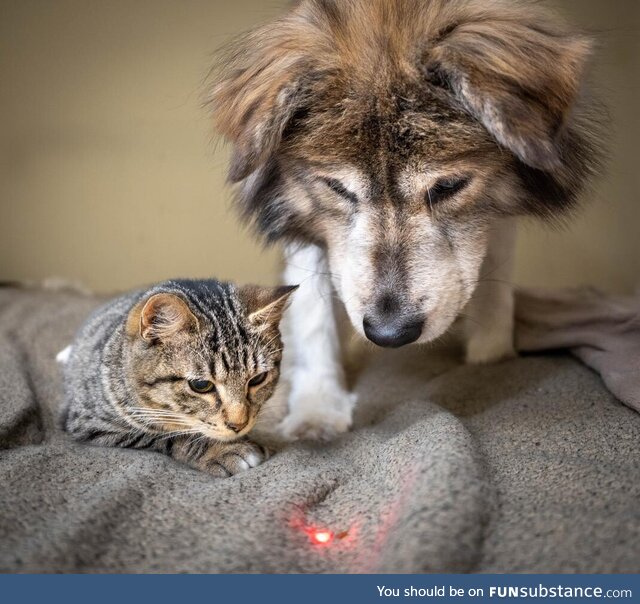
108,174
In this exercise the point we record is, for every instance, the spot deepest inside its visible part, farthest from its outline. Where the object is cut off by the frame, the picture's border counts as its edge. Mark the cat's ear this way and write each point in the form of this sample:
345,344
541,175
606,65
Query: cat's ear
160,317
265,305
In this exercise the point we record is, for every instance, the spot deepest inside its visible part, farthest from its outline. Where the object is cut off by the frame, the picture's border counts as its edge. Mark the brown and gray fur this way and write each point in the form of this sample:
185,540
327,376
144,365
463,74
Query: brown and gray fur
127,377
396,136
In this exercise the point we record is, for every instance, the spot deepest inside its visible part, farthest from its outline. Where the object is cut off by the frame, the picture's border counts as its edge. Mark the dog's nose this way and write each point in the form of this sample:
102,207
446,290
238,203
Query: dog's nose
392,331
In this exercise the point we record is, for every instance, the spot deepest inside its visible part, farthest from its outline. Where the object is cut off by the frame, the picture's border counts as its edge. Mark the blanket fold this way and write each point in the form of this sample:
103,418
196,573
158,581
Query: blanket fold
602,331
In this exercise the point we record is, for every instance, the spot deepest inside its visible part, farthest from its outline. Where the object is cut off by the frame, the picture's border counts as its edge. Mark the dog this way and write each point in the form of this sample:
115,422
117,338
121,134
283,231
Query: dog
391,145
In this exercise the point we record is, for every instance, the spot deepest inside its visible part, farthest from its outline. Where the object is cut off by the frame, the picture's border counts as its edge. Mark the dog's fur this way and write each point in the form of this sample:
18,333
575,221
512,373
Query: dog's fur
393,142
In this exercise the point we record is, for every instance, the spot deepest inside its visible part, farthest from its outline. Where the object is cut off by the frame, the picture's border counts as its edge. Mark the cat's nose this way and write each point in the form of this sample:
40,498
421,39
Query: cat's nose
237,427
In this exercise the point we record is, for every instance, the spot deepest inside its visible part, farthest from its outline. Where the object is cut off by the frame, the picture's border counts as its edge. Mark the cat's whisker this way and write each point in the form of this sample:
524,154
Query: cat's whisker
151,419
177,433
200,438
154,422
155,412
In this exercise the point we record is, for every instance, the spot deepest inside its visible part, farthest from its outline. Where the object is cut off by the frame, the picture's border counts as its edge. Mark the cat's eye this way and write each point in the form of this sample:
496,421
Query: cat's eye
201,386
445,188
256,380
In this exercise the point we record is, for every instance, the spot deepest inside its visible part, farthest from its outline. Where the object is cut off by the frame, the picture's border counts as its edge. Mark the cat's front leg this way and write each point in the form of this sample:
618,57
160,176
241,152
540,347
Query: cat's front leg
218,458
320,406
490,312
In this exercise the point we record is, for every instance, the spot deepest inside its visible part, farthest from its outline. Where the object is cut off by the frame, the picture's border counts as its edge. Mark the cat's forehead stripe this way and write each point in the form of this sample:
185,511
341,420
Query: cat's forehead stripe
225,332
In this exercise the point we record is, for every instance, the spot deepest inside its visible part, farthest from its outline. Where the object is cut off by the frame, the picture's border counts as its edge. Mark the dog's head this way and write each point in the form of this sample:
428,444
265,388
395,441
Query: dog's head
394,132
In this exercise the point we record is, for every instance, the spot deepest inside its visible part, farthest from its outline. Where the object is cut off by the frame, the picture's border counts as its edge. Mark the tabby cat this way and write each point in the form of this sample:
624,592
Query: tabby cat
183,368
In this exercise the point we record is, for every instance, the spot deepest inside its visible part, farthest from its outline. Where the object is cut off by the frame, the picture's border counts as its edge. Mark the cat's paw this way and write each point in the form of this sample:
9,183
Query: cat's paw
236,457
318,414
490,347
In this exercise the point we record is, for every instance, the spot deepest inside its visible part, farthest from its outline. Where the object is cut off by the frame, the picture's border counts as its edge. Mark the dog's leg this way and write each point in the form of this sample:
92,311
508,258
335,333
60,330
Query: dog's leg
319,404
489,314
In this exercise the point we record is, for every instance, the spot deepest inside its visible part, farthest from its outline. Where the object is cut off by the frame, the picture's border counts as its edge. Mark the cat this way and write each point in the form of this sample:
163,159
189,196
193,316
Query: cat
184,368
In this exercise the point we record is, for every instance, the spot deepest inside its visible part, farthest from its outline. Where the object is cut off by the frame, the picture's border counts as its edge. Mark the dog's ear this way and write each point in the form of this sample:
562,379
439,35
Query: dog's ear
519,77
259,88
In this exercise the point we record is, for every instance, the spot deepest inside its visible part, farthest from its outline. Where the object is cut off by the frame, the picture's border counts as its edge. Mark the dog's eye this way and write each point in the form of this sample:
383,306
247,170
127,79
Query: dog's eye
445,188
337,187
201,386
256,380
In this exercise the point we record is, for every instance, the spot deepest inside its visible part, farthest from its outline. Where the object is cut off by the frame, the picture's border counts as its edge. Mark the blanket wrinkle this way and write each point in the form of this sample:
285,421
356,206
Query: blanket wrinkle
602,331
20,424
526,465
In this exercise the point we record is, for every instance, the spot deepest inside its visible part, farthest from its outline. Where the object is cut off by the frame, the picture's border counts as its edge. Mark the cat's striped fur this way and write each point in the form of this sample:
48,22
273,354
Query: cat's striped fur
130,372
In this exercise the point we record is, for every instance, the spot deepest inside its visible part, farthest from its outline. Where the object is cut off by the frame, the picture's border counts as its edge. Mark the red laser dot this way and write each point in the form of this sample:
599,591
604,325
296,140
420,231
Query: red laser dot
322,537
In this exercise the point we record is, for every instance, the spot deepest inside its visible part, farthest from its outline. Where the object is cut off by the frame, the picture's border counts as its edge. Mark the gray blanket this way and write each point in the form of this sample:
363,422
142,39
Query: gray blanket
602,331
528,465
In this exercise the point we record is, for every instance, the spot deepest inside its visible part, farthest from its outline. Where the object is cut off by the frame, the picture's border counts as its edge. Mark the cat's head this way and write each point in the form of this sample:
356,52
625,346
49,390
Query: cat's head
203,357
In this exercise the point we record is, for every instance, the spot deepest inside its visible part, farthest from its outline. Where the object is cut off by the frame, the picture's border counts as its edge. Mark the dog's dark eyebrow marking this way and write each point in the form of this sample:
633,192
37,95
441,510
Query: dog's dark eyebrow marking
337,187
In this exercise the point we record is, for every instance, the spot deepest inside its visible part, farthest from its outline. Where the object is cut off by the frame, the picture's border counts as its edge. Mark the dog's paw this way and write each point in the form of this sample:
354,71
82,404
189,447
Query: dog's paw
319,415
490,348
322,425
235,458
